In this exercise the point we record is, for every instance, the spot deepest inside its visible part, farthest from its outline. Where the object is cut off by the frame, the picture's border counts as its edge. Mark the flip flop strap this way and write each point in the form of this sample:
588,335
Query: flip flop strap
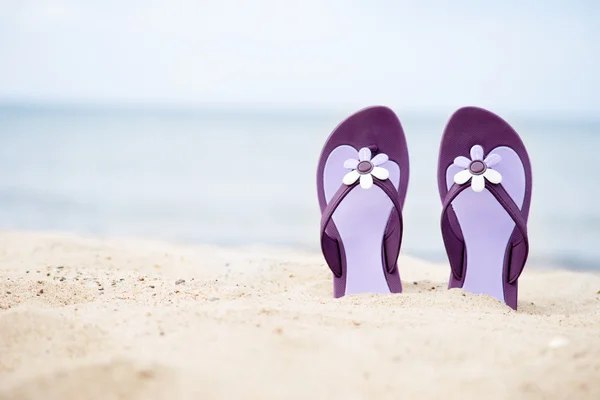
386,186
511,208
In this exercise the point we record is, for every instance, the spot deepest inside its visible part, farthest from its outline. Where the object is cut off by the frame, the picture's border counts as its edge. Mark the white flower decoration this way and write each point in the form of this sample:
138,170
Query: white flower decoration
477,169
366,168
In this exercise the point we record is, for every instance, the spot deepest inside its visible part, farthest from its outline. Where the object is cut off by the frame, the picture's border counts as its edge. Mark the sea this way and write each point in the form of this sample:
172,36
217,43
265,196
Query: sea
237,177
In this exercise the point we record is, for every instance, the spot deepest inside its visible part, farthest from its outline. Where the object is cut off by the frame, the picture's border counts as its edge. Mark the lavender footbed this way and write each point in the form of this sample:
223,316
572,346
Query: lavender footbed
361,239
485,233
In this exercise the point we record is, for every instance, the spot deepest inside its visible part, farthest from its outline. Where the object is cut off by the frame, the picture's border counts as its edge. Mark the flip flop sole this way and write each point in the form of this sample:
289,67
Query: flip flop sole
365,220
479,220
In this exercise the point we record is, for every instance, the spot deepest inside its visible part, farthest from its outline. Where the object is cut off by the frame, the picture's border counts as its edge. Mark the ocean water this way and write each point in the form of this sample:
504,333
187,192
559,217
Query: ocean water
236,177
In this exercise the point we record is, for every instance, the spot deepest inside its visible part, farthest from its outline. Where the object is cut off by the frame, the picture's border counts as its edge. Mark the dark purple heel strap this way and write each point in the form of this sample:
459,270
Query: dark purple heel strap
521,240
387,187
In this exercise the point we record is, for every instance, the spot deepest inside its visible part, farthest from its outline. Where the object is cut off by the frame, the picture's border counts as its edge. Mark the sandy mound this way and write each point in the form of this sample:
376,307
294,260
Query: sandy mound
136,319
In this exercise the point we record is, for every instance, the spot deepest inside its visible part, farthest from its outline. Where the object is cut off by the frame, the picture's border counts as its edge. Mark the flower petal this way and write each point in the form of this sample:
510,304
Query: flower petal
351,163
478,183
379,159
366,181
364,154
380,173
351,177
462,162
492,159
462,177
493,176
477,153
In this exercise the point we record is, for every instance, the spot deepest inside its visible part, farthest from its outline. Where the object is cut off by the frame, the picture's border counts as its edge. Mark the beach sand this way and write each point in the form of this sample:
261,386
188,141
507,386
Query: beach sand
86,318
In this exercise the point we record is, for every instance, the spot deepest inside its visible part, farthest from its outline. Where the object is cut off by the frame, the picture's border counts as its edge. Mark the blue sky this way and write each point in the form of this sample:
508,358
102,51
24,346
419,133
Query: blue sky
537,56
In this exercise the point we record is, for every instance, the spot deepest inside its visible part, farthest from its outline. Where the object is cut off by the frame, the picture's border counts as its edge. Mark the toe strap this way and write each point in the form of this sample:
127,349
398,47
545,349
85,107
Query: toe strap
518,249
392,237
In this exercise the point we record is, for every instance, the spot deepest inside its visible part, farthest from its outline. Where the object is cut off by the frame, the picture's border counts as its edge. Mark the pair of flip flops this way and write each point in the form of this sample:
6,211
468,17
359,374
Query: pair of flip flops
484,180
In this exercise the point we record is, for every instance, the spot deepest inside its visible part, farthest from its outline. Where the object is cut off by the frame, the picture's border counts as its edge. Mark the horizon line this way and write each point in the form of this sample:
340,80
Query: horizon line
263,108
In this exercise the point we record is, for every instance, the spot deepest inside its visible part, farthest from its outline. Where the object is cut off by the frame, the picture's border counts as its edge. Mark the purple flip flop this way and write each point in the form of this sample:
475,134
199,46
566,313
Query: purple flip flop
484,179
362,179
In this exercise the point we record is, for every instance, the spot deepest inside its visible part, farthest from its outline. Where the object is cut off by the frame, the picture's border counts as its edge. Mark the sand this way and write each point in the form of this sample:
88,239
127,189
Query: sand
87,318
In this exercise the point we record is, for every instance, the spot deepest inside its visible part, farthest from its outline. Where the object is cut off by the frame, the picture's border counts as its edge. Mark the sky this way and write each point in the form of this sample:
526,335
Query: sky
535,56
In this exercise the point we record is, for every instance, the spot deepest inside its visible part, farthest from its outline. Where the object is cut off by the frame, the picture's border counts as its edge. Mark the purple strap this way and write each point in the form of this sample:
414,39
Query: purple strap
390,250
517,253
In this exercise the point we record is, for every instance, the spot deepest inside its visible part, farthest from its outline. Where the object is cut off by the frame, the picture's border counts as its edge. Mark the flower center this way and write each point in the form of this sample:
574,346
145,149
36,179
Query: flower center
364,167
477,167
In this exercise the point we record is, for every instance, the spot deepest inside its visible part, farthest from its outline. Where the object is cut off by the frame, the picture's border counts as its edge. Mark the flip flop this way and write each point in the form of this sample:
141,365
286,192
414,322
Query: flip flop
362,179
484,180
